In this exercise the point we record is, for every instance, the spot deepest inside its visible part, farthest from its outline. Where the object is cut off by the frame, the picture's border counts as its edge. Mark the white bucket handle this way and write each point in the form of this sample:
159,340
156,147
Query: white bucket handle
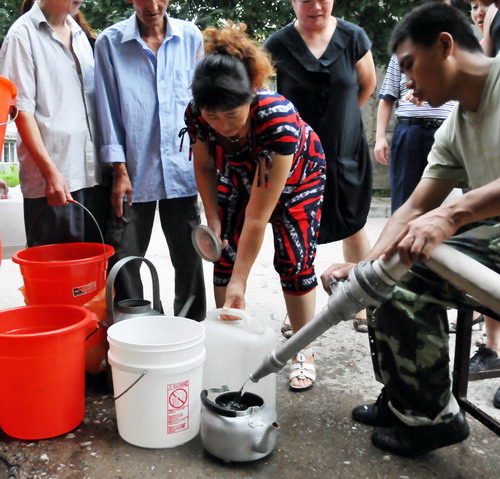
131,386
247,320
46,205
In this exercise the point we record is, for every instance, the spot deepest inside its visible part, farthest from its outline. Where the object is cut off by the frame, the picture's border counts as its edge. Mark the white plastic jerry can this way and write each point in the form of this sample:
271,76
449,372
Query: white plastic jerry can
234,349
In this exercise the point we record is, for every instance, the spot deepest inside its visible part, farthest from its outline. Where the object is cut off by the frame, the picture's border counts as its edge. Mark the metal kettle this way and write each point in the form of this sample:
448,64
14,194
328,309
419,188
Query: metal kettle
246,431
131,308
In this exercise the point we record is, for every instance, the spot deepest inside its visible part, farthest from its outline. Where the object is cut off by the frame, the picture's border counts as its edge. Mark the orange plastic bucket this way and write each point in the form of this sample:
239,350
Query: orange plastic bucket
65,273
42,369
8,94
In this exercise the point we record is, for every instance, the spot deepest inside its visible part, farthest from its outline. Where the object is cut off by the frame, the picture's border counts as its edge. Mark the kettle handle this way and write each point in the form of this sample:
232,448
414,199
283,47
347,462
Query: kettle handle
110,310
248,321
212,406
209,403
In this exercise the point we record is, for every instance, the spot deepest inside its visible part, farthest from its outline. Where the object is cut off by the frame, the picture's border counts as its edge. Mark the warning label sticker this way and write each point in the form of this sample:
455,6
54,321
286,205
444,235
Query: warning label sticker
177,407
85,289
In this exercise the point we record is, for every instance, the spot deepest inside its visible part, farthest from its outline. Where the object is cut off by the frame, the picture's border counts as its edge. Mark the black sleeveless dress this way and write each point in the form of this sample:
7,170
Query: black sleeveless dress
325,91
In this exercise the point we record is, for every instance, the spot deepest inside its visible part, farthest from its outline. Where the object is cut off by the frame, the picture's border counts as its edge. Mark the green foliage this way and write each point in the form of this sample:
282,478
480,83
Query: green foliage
11,177
377,17
381,193
9,11
103,13
261,18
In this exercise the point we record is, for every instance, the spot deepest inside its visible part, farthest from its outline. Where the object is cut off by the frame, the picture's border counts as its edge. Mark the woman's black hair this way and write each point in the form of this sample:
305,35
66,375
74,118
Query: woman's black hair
221,82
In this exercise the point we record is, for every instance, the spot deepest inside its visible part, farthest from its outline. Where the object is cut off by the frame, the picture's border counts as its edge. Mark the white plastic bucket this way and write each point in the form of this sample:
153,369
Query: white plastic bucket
157,365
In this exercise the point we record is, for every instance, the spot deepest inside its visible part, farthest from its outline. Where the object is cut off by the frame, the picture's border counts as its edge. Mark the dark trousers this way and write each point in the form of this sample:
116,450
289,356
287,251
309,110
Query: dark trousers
410,146
130,236
69,223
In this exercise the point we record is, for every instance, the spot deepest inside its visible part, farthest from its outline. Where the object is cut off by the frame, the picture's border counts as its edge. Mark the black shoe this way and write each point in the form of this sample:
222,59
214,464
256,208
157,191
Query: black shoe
496,399
485,358
411,441
377,414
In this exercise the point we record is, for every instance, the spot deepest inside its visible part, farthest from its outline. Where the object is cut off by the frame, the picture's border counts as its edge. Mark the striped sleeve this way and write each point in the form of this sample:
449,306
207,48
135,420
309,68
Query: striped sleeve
393,86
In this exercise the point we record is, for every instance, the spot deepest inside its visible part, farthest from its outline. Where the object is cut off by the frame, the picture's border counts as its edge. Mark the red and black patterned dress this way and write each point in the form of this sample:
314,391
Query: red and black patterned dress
276,129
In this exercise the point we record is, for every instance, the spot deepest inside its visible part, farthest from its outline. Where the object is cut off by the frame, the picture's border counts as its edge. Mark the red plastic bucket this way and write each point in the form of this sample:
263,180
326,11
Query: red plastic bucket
65,273
8,94
42,369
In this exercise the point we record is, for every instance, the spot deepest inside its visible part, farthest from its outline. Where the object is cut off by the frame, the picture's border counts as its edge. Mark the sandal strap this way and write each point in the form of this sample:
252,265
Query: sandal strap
306,372
301,369
307,352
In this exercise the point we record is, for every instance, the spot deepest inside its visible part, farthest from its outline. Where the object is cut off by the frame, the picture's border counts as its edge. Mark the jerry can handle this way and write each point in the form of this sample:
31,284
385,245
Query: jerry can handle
110,310
248,321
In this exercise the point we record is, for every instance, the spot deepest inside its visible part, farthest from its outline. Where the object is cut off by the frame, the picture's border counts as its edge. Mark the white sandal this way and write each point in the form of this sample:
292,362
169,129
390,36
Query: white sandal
303,370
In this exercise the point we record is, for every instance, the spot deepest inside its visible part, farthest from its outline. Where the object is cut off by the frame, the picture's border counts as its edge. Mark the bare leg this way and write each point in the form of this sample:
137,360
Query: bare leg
493,341
300,311
492,334
356,248
220,296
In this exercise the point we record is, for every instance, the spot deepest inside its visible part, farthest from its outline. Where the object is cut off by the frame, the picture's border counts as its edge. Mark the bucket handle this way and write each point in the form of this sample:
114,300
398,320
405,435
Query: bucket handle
84,208
110,311
97,327
131,386
13,111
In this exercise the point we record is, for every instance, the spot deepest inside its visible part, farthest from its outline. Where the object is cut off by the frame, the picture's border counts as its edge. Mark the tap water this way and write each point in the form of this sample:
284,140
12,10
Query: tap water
240,393
235,402
239,401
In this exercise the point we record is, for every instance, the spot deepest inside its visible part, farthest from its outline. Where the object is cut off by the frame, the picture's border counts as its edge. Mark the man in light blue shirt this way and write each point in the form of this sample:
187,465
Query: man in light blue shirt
143,75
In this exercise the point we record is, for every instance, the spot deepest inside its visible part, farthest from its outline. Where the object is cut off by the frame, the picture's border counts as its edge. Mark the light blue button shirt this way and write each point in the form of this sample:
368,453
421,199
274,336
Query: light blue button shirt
141,99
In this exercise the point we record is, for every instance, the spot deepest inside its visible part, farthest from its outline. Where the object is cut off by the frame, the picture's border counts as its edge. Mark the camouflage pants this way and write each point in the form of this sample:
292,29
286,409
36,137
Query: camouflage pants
411,353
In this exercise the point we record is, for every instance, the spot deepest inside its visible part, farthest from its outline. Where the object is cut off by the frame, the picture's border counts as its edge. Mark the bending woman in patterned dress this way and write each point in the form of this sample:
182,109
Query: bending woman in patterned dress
256,162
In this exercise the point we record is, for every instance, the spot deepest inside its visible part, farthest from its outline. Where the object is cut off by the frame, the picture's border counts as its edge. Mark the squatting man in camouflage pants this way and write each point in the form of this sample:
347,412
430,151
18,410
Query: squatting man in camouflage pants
442,59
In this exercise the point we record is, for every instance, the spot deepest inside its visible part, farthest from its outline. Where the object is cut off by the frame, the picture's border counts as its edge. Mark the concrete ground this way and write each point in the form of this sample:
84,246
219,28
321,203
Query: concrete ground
317,438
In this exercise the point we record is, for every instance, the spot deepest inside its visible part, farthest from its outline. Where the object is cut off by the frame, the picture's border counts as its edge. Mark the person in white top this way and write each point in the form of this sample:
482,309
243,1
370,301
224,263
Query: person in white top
48,57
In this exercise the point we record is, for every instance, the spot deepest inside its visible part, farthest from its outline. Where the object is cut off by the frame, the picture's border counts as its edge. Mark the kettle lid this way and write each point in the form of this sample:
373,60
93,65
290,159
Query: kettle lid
134,306
206,243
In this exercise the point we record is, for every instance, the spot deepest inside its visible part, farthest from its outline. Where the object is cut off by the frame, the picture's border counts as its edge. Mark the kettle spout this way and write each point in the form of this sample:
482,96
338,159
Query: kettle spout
268,440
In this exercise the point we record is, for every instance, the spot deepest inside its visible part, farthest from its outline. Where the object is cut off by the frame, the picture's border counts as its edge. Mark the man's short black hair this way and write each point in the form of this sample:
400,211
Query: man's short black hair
424,24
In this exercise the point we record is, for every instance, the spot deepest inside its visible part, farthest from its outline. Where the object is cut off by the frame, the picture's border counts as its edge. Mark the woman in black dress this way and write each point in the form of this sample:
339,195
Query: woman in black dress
325,67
